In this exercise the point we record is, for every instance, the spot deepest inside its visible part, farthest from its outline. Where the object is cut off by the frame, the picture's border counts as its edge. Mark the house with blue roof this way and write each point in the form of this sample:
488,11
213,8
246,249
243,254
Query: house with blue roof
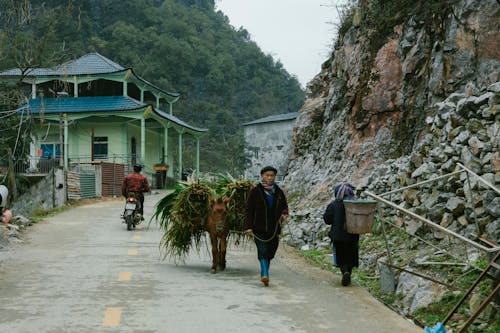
91,110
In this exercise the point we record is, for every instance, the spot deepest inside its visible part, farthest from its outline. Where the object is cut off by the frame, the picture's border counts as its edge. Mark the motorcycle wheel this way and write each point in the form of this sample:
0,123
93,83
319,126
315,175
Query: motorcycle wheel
130,222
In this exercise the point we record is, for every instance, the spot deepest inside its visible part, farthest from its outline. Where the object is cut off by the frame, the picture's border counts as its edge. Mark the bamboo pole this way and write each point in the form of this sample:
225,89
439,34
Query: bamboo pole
481,179
420,275
432,224
421,183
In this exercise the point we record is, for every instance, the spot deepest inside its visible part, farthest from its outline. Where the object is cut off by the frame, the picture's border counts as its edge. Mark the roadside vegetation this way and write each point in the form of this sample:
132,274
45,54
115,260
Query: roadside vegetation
459,277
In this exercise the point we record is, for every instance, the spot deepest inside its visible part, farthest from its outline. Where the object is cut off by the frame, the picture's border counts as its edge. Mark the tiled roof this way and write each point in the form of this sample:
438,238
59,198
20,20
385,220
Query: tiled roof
91,63
178,121
30,72
98,104
84,104
274,118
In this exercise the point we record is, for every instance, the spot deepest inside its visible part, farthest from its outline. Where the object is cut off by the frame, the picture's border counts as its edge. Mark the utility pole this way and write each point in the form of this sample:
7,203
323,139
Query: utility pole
61,141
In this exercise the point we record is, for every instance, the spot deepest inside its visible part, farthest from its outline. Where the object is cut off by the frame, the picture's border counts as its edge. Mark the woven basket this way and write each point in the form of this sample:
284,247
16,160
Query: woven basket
359,215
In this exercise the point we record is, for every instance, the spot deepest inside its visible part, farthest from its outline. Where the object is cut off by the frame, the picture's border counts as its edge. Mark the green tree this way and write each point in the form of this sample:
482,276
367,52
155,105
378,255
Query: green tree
27,40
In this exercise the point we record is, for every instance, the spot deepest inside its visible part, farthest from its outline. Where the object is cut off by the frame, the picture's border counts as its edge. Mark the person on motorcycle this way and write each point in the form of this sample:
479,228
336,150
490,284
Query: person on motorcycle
135,182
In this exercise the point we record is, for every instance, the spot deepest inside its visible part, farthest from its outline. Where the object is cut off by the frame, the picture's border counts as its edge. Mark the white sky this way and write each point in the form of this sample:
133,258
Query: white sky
298,33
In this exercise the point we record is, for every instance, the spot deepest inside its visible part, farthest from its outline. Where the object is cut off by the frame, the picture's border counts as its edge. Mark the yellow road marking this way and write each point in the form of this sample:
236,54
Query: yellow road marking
132,252
112,317
136,237
125,276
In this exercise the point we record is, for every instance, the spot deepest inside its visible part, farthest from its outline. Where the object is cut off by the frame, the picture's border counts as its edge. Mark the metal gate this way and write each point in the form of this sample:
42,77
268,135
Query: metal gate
112,177
87,185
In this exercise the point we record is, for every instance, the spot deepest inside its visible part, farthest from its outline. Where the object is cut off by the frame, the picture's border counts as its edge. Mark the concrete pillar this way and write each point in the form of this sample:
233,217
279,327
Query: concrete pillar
75,87
180,155
143,141
197,157
165,145
66,142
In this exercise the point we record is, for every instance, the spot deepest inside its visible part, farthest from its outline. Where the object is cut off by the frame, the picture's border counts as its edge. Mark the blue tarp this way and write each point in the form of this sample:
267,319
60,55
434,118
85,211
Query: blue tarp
438,328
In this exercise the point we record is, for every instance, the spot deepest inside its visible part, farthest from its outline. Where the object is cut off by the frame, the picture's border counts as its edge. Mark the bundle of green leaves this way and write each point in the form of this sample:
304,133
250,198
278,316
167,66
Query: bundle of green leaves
182,213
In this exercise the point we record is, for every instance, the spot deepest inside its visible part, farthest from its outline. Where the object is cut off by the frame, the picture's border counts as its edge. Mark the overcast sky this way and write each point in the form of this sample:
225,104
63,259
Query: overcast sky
298,33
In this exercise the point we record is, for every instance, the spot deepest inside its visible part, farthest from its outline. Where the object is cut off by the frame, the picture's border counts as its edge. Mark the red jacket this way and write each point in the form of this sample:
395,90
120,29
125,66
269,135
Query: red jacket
135,182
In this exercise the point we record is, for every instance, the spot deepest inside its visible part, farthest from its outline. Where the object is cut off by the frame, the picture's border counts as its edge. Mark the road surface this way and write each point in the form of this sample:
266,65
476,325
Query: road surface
82,271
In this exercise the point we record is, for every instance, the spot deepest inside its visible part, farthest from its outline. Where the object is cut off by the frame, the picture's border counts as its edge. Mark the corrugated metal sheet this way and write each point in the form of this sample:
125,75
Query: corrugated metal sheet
87,185
73,185
112,177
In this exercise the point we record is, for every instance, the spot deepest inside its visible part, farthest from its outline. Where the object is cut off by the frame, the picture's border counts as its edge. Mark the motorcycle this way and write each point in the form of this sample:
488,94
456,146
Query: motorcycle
131,215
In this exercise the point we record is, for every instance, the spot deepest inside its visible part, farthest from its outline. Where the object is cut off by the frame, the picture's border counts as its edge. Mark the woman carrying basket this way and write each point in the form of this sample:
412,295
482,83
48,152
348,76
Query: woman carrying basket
266,207
345,245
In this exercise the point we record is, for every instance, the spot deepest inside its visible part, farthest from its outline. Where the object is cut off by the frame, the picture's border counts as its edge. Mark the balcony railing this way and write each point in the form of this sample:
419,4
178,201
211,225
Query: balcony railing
31,165
35,165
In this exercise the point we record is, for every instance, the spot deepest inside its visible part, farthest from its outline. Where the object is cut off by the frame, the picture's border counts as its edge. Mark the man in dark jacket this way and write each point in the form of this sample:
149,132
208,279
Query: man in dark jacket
266,207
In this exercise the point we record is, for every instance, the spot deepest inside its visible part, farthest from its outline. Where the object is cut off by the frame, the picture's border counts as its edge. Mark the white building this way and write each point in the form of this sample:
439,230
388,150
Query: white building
267,141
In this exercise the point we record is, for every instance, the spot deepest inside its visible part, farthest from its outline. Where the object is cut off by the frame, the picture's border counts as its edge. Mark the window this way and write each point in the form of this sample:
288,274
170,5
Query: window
100,147
50,150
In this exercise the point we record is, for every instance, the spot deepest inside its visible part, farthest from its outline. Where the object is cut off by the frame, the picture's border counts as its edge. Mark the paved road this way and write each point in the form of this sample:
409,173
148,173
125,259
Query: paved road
81,271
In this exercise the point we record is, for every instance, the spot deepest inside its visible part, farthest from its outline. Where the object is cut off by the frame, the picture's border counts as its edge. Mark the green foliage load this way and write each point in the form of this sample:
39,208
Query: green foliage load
236,191
183,213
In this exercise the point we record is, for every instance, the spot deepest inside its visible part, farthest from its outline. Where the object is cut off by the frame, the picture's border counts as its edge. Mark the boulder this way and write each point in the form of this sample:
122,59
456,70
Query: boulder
493,207
418,292
475,145
456,206
446,220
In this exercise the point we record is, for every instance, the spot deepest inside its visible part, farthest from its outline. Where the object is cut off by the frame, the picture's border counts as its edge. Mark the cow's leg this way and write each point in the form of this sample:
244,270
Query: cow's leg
213,240
222,252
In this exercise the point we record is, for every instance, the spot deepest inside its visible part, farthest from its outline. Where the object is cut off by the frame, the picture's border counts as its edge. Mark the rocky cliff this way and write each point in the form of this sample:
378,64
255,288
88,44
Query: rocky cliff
410,90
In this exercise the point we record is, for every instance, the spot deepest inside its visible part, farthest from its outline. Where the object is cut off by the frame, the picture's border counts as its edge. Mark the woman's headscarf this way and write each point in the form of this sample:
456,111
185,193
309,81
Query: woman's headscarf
344,190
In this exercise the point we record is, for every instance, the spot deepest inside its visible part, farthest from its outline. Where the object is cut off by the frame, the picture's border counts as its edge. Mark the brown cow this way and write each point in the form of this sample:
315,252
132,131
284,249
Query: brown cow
218,230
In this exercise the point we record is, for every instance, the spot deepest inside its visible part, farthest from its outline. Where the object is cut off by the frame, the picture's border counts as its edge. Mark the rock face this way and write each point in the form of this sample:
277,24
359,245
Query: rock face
407,94
399,102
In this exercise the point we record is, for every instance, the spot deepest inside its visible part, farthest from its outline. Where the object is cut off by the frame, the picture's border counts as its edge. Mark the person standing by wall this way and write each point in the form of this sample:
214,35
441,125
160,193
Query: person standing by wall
266,207
345,245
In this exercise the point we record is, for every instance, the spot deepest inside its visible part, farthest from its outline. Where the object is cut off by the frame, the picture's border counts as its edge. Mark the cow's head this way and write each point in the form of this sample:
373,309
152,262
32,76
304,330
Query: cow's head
219,204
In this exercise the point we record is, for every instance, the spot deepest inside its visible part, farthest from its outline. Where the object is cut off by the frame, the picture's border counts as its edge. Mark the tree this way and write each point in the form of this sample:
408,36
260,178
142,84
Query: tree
27,37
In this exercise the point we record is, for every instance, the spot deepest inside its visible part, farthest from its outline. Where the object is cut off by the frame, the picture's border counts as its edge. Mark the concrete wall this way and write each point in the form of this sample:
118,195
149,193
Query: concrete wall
49,192
268,144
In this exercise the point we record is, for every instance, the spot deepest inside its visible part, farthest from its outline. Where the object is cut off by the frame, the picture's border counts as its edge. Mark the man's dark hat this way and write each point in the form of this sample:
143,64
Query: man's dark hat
268,168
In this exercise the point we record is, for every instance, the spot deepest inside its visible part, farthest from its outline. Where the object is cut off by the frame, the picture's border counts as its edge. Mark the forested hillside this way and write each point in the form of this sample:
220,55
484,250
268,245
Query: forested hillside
183,46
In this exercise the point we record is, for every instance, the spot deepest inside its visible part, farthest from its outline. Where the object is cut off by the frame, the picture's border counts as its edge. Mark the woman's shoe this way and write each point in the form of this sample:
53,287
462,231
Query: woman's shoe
265,280
264,272
346,279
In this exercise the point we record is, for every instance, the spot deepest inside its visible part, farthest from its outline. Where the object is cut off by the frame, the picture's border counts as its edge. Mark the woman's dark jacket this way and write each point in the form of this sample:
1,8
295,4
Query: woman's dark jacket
258,216
335,216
